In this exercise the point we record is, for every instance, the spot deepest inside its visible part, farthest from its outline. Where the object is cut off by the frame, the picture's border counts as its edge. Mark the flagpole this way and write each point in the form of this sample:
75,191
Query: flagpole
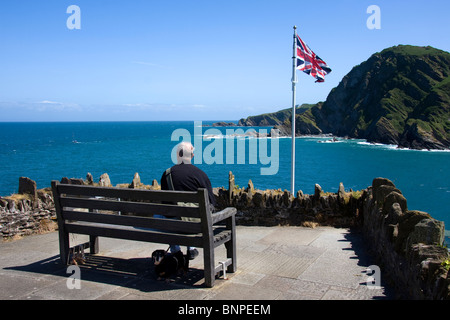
294,83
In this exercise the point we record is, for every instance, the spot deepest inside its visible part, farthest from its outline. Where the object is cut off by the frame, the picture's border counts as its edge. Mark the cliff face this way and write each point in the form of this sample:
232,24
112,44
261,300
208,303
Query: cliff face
398,96
274,119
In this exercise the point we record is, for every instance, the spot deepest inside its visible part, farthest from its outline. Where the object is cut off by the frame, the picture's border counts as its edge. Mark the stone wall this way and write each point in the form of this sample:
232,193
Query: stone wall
277,207
406,244
28,212
32,211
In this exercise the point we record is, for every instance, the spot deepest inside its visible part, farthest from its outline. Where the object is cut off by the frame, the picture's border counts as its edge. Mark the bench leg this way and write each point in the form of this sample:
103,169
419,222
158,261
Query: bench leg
93,244
231,245
208,261
231,254
64,247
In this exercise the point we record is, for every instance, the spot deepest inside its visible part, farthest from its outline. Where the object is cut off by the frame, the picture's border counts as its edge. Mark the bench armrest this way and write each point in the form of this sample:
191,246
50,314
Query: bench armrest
222,215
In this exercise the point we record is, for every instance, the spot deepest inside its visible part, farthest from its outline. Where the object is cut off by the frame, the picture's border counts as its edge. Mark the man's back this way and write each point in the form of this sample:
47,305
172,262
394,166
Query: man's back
187,177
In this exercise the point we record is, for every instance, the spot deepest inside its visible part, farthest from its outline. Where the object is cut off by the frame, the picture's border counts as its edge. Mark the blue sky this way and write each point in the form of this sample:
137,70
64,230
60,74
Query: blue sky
191,59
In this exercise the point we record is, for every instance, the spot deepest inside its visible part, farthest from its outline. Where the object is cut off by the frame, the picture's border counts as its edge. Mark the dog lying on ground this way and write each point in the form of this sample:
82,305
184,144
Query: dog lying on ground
168,264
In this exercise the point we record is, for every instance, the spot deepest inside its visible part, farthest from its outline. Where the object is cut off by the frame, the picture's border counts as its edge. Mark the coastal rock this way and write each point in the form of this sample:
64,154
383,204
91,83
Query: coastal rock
394,197
230,185
75,181
381,182
27,186
259,199
11,206
381,188
427,231
433,277
421,252
89,179
65,180
250,187
155,185
382,192
283,130
303,126
317,191
383,131
3,203
415,138
342,195
280,119
136,183
394,215
341,190
224,124
104,180
406,225
286,199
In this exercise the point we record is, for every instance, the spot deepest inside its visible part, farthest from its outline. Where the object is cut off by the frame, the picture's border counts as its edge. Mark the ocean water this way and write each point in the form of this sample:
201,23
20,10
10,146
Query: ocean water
50,151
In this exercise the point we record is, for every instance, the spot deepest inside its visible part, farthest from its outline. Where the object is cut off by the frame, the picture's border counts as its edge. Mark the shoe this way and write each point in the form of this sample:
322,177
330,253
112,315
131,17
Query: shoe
192,254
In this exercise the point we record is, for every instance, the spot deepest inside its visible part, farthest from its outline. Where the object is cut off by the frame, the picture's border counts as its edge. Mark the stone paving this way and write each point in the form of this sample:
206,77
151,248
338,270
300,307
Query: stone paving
274,263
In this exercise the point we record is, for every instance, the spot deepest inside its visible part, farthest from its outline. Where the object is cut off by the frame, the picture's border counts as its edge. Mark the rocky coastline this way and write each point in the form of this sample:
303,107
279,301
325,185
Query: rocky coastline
407,244
399,96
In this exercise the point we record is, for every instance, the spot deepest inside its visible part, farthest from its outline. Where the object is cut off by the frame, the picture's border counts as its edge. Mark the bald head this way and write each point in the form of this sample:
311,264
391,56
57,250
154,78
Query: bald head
185,152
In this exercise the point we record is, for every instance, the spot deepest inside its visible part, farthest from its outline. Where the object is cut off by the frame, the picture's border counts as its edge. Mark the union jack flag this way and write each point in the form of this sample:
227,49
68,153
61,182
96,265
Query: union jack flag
309,62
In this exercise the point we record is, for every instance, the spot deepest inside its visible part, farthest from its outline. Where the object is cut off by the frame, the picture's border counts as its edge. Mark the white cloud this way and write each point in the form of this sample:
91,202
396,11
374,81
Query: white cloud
48,105
50,102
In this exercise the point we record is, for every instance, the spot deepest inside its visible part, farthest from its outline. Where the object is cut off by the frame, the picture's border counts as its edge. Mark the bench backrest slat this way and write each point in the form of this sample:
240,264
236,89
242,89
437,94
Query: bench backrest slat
169,225
129,207
130,194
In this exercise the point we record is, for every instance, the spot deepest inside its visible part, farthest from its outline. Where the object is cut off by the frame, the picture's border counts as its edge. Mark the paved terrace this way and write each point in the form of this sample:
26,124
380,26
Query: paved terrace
274,263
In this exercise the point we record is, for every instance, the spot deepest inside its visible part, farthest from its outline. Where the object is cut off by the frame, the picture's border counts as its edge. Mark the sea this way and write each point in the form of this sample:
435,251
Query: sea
46,151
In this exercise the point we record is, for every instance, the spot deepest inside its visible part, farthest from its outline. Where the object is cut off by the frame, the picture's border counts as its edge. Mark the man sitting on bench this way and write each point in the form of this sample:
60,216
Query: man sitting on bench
184,176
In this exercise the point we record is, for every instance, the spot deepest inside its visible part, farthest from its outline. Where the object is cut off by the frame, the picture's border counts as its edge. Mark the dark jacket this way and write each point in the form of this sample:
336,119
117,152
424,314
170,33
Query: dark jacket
187,177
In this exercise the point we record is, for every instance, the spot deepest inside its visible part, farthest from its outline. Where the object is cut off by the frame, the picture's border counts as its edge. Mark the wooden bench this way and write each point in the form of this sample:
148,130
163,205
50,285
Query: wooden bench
128,214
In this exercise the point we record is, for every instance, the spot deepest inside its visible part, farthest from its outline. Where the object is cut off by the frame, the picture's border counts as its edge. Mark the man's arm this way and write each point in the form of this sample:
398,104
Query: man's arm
164,181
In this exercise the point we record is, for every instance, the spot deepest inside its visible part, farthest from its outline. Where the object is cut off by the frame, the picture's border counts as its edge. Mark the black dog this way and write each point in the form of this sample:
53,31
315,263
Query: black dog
167,264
